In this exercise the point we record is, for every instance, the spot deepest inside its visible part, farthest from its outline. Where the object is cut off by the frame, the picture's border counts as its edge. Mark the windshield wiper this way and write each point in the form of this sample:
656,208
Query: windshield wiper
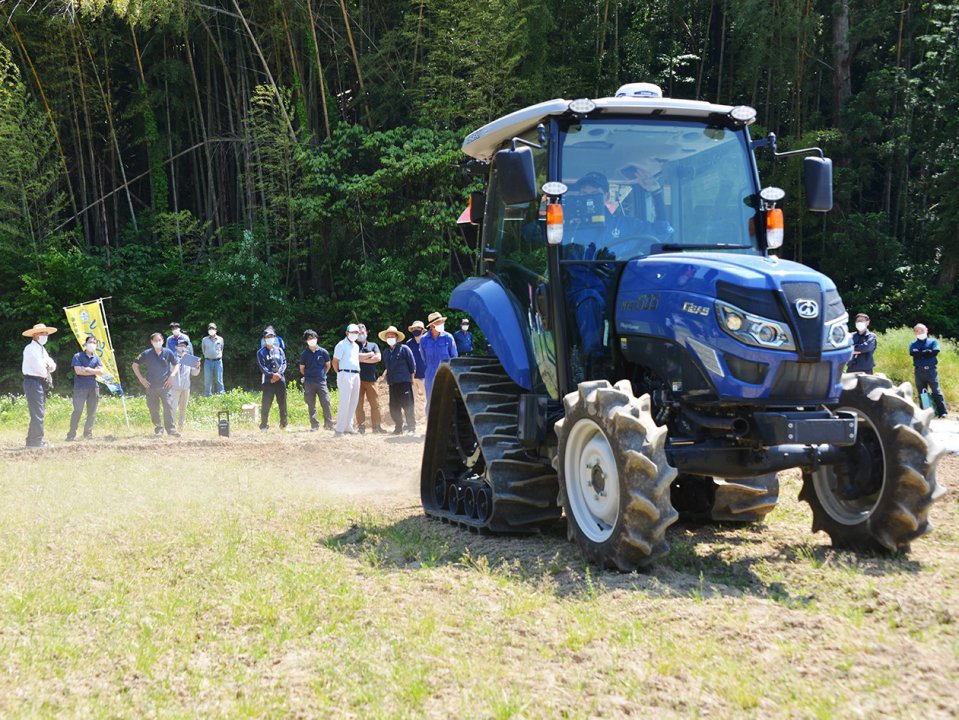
677,247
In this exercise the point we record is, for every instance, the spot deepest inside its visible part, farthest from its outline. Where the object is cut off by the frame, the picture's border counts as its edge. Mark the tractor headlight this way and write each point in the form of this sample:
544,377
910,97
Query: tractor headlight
753,329
837,336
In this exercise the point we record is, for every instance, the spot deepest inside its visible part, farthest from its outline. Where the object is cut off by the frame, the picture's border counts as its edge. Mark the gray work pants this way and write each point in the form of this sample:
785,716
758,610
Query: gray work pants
156,397
312,390
88,397
36,395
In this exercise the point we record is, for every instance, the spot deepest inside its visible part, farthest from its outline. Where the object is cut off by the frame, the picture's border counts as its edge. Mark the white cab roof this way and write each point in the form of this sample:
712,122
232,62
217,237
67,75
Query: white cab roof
482,143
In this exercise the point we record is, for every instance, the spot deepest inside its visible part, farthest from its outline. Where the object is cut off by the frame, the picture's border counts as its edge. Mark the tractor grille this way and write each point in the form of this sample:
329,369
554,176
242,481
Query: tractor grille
808,330
801,382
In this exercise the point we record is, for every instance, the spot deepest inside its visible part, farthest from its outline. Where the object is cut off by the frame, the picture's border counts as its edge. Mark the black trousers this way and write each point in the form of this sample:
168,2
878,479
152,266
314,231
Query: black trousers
273,390
157,396
401,401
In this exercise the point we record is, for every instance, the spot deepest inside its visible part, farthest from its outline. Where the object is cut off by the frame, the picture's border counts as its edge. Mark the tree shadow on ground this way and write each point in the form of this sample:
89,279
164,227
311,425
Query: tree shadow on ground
703,561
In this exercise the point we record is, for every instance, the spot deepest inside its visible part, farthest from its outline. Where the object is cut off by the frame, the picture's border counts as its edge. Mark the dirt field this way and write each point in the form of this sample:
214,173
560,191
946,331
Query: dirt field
760,621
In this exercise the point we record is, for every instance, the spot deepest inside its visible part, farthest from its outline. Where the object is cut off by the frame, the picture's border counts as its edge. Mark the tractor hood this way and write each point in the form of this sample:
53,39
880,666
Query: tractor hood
675,296
700,272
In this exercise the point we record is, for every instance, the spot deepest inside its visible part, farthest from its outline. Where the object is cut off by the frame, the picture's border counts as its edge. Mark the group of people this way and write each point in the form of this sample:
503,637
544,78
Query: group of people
925,359
409,367
166,369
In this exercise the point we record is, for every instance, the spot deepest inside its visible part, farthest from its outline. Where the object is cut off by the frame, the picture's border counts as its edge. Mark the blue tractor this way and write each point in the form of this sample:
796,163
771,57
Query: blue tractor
652,356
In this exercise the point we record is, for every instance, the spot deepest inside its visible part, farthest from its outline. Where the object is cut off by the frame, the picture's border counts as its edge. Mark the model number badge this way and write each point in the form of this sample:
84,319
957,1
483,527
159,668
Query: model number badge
807,308
696,309
642,302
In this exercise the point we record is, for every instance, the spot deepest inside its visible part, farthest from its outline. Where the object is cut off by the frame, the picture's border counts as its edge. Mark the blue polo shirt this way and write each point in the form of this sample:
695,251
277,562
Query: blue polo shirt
314,364
155,366
81,359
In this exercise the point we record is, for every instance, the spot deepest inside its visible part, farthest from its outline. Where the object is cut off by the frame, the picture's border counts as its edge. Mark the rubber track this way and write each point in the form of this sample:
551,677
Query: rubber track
524,486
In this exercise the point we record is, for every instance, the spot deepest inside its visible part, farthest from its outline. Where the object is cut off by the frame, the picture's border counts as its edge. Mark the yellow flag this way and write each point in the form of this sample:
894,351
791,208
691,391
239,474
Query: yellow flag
88,319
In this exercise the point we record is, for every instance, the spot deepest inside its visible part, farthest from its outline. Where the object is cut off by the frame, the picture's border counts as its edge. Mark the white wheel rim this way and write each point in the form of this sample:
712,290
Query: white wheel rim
592,481
848,512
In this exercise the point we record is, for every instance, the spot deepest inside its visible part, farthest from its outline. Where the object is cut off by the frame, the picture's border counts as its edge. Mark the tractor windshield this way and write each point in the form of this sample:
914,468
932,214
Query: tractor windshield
643,185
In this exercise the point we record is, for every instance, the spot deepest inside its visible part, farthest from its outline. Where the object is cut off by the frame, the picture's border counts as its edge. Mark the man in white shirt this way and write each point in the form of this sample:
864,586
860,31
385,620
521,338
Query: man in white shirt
346,362
38,368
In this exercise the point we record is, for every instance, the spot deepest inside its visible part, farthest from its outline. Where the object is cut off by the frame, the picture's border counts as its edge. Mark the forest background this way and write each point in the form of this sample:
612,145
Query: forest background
297,162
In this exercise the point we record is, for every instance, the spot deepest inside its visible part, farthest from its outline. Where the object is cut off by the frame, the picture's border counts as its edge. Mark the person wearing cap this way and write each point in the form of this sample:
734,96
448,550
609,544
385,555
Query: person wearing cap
212,347
175,334
464,338
400,368
87,366
437,347
272,362
346,362
160,366
314,366
925,361
180,390
369,357
38,368
279,340
863,345
417,332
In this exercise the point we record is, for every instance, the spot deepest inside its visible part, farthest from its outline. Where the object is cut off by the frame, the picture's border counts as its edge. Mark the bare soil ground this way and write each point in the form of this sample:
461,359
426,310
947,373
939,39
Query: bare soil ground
787,625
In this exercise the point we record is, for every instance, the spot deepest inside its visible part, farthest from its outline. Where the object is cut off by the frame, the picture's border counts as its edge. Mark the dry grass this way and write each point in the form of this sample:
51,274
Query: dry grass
295,576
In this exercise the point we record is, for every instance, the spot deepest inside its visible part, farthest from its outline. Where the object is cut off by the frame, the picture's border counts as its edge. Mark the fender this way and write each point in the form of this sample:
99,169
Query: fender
498,314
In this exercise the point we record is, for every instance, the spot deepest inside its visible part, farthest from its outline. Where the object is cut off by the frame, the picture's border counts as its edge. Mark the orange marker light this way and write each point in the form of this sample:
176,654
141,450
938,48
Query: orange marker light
775,228
554,224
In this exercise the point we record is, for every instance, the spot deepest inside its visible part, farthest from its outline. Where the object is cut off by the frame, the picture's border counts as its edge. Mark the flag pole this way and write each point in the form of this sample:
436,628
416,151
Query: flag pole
106,326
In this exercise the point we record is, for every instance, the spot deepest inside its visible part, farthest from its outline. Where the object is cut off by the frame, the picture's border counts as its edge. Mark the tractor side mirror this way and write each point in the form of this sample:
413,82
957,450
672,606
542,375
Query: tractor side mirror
477,207
517,175
817,177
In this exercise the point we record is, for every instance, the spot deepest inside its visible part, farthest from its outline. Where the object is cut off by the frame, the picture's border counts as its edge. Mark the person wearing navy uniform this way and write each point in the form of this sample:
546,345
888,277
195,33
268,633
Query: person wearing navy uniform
272,362
464,338
160,365
417,331
400,366
314,366
86,366
38,368
863,346
175,336
925,361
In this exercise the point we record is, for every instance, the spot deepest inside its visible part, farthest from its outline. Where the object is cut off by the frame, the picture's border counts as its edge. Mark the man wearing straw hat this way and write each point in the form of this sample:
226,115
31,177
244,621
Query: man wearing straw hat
437,347
400,368
38,369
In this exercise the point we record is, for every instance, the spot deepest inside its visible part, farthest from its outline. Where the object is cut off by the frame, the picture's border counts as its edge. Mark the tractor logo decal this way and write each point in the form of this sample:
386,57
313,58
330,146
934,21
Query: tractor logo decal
696,309
808,309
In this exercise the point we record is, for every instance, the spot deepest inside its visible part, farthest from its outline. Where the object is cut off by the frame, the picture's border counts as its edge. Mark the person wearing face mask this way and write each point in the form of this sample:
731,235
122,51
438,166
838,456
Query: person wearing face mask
417,332
925,361
369,357
314,366
864,345
212,347
346,362
87,366
464,338
278,341
272,362
400,367
161,366
437,347
38,368
180,391
175,334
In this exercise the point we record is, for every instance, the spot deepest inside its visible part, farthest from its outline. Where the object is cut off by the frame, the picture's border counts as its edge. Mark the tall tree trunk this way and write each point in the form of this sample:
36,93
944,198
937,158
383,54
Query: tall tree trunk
841,59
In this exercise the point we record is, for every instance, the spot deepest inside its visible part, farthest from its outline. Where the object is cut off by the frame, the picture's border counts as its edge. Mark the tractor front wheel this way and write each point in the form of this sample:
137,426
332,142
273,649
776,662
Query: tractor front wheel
878,496
613,476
